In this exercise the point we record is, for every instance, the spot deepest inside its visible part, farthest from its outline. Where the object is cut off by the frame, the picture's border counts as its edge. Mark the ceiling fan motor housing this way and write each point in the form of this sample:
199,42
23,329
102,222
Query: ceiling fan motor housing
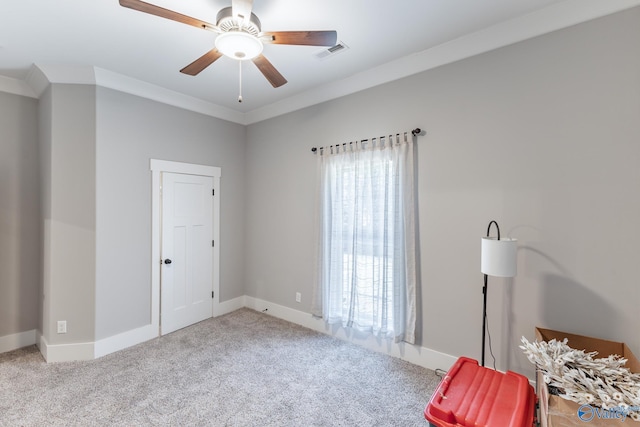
226,22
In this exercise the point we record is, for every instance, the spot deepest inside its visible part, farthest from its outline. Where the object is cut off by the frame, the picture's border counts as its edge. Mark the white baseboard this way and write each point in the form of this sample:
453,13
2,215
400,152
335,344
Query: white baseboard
145,333
41,342
16,341
126,339
230,305
421,356
94,350
417,355
65,352
100,348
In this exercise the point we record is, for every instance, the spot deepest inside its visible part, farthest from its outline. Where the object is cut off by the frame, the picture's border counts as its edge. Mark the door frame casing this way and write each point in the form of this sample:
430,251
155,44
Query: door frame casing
157,167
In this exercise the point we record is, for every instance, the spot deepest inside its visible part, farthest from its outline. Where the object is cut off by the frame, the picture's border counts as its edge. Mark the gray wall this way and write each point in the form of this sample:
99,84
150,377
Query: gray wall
19,215
68,155
541,136
44,145
82,153
130,132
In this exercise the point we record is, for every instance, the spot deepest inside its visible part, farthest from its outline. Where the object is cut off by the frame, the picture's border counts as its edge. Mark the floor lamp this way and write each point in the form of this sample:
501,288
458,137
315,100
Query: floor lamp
498,258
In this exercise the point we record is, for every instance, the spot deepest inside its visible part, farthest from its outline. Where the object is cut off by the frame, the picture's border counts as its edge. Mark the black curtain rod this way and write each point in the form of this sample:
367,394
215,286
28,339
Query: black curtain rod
415,132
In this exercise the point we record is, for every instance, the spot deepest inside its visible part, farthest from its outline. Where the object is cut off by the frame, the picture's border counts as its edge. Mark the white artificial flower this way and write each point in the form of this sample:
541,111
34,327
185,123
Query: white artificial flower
582,377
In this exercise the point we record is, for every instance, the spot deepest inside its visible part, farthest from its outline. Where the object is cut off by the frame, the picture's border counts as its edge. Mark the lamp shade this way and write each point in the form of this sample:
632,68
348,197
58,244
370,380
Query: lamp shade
498,257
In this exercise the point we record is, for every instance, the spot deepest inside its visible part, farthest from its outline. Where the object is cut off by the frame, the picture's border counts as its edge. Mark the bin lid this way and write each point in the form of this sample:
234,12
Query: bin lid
475,396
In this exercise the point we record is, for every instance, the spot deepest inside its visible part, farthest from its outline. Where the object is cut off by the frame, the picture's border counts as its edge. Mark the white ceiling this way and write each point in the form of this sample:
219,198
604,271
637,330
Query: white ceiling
387,40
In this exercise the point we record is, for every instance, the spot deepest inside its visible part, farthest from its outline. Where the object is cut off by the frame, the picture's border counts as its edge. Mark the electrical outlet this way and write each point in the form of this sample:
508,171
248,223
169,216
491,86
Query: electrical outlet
298,297
62,326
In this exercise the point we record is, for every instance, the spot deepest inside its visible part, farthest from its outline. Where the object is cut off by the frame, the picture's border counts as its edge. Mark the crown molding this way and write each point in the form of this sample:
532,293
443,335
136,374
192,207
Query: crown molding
552,18
40,76
143,89
16,87
549,19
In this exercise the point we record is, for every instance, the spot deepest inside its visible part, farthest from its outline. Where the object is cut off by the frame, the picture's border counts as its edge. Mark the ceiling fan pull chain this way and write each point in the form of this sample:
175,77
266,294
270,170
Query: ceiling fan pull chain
240,81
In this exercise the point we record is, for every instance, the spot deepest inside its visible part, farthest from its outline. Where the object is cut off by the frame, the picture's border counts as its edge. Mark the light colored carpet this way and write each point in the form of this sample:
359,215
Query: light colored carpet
241,369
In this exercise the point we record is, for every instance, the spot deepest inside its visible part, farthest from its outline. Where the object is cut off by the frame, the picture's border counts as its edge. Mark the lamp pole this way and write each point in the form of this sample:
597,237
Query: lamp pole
484,317
484,303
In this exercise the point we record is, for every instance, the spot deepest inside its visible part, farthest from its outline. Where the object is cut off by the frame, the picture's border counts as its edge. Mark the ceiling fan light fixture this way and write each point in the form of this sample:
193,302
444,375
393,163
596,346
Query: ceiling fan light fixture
239,45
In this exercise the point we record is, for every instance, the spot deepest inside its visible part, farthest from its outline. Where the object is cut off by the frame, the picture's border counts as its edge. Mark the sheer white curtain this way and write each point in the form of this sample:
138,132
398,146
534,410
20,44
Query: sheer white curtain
366,276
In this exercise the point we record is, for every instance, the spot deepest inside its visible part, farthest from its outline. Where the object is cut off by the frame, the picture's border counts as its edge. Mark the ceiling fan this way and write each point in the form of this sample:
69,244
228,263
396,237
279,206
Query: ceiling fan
240,37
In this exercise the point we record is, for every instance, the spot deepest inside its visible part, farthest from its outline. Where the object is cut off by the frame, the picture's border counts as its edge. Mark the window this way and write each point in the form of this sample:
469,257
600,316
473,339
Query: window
367,276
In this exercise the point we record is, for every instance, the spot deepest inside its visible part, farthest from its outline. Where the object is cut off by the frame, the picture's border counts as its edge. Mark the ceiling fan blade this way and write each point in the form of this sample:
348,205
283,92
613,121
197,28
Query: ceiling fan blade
166,13
241,9
269,71
201,63
307,38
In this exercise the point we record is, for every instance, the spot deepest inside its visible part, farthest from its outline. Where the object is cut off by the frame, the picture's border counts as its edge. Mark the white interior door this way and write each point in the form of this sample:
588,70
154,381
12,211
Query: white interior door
186,250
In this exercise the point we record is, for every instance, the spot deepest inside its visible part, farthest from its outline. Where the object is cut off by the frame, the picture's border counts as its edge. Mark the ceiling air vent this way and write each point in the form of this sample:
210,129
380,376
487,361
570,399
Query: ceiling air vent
331,51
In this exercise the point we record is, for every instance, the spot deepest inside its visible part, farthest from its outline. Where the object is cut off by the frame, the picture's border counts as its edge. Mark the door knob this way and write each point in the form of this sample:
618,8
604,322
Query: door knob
167,261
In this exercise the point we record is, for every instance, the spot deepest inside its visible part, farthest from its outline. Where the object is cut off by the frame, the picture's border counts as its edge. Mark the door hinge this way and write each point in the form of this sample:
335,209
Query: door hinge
213,243
211,294
213,192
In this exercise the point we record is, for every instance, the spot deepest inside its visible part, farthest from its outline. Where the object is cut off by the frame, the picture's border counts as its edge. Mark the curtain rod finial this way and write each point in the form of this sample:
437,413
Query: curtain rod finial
416,131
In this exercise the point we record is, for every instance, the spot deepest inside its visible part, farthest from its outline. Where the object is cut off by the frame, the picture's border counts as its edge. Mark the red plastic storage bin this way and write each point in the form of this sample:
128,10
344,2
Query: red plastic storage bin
475,396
